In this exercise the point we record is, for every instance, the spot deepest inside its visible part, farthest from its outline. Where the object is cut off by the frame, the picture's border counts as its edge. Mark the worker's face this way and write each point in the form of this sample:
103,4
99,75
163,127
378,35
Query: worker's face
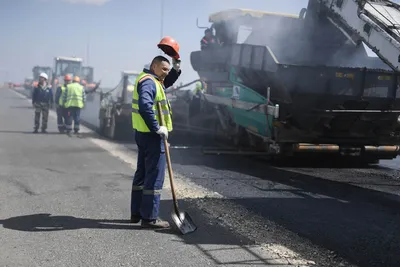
42,80
161,70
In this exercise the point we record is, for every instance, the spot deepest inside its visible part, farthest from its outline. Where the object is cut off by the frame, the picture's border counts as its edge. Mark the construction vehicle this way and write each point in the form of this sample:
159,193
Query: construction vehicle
115,117
304,84
63,66
87,77
28,83
36,70
87,74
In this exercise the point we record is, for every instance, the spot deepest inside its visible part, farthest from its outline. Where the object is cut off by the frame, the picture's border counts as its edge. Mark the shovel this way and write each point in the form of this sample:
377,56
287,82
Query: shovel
181,219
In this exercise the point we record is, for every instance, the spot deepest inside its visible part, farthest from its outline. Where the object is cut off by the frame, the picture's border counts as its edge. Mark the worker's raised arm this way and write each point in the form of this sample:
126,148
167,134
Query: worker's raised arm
171,78
147,92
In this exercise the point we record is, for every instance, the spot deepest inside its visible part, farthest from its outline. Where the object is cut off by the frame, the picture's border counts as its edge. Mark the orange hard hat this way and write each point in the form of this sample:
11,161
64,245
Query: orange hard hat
76,79
169,46
67,77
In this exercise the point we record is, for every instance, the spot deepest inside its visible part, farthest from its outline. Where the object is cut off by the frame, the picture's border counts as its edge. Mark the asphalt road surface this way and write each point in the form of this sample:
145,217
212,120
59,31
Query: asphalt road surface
64,201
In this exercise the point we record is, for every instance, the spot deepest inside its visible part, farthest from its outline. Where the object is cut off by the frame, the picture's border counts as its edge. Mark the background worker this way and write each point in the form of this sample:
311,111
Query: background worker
195,103
209,41
42,101
74,98
59,103
148,180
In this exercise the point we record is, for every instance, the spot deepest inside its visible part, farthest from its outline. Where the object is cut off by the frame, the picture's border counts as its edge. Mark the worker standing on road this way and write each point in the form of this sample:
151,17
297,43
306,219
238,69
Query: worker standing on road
148,180
59,103
42,101
74,98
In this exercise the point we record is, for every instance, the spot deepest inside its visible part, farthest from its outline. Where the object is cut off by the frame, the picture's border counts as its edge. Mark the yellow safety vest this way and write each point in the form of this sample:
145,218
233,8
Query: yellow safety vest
60,100
74,96
137,121
199,87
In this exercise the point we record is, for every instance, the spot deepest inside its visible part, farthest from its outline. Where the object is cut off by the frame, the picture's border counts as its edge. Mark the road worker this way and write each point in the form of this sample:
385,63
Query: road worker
209,41
59,103
74,98
149,176
42,101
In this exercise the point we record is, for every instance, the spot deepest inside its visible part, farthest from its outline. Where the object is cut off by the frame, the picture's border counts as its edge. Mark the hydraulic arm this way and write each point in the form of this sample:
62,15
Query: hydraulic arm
374,22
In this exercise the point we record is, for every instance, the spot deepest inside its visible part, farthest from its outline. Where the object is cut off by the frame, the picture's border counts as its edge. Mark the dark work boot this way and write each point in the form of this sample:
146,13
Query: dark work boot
154,224
135,218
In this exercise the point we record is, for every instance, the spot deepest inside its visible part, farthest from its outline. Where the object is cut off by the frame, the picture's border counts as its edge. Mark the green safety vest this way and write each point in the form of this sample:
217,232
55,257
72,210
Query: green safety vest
74,96
137,121
60,100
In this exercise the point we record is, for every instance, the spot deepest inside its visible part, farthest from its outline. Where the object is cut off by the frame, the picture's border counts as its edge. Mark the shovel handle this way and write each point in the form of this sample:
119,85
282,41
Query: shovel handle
168,156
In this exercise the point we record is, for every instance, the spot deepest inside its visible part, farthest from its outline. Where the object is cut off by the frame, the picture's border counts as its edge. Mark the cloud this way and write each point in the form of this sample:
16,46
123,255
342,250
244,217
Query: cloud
87,2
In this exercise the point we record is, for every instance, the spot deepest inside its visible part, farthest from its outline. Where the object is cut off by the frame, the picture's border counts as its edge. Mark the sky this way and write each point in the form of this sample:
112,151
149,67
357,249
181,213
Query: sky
121,34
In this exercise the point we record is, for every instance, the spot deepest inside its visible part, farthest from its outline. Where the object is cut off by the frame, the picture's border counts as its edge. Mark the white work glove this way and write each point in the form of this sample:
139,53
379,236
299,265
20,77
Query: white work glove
163,131
176,63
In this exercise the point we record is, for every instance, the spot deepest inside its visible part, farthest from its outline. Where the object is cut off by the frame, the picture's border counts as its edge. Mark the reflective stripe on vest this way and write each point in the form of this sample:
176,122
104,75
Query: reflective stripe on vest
74,96
60,100
137,120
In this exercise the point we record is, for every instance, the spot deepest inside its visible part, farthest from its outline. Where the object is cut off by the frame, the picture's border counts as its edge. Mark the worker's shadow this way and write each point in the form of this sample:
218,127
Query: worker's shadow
44,222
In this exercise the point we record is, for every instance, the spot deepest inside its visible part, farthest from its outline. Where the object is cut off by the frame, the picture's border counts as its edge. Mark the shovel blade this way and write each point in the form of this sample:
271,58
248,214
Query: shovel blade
184,223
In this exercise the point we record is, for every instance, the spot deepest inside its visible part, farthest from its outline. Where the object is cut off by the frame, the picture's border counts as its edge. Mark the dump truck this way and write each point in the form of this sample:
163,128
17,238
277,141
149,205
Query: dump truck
291,85
115,117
